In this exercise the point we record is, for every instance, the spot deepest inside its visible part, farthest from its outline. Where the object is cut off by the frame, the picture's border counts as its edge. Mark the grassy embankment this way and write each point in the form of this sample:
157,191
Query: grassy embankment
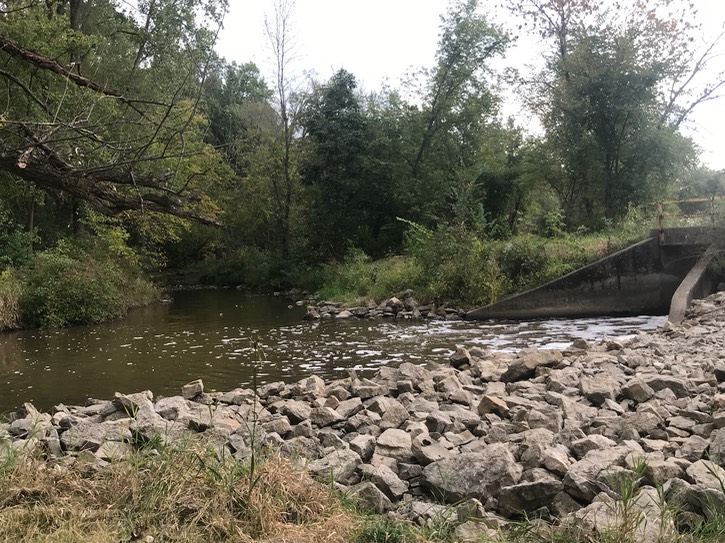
458,268
451,265
190,493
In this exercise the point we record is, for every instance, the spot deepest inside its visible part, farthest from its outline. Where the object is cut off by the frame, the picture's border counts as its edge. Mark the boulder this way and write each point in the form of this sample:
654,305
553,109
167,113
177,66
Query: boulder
598,388
472,475
340,466
395,443
527,361
525,498
190,390
371,497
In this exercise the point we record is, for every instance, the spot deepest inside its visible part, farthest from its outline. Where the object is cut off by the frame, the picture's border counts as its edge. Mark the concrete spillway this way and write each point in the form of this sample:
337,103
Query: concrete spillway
641,279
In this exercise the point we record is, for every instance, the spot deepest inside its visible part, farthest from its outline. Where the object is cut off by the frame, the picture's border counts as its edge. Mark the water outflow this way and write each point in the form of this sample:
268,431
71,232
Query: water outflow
212,334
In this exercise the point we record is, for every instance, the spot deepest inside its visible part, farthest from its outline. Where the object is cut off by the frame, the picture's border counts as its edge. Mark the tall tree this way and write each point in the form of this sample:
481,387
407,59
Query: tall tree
619,81
104,108
446,131
282,41
343,201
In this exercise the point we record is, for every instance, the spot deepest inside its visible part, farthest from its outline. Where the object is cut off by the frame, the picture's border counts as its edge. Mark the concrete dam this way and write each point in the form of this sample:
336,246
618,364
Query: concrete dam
657,276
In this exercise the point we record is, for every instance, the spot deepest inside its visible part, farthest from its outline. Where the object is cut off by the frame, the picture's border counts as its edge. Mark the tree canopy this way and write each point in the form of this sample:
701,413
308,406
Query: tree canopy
126,110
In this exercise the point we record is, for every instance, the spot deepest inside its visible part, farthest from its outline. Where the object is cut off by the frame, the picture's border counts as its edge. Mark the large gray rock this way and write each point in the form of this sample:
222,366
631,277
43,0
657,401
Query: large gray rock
84,435
364,445
556,459
365,389
582,446
340,466
598,388
371,497
348,408
527,361
172,408
386,480
717,446
658,382
190,390
493,404
395,443
707,474
132,403
644,422
296,411
324,416
529,496
637,390
427,450
472,475
310,387
581,481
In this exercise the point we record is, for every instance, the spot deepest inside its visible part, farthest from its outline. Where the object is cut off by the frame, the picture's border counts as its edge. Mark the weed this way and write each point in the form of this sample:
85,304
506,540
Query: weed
169,495
380,529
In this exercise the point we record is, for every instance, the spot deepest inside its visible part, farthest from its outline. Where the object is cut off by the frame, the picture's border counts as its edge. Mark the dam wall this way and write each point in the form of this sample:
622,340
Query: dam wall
638,280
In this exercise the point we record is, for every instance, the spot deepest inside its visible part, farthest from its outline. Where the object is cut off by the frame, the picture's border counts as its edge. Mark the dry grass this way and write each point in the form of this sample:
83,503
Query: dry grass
189,495
10,291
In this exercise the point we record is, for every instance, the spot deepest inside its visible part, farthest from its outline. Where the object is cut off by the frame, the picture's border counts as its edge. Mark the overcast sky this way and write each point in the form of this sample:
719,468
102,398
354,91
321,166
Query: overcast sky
378,40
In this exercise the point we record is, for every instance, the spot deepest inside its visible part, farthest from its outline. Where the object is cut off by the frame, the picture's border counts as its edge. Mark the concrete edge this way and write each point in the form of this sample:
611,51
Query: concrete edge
696,284
479,313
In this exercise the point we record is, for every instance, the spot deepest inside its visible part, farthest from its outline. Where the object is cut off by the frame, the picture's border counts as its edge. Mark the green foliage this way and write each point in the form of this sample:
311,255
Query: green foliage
462,266
359,279
81,282
380,529
456,266
248,267
524,261
612,131
16,244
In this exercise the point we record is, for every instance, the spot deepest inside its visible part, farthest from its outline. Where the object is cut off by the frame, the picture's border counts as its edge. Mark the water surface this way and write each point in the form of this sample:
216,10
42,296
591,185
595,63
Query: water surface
211,334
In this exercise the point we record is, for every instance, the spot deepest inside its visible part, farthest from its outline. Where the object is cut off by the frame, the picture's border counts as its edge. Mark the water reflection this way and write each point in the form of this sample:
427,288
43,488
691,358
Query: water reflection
212,334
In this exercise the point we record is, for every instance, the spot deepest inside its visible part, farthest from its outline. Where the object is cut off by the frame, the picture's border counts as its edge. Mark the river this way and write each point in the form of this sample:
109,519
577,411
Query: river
211,334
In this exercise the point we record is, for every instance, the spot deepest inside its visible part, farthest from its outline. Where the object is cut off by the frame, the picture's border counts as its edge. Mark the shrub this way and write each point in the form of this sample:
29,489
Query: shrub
456,266
524,260
248,266
361,278
81,282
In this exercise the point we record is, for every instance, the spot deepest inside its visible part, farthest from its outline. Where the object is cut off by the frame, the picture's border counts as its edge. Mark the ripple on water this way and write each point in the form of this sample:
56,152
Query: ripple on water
163,348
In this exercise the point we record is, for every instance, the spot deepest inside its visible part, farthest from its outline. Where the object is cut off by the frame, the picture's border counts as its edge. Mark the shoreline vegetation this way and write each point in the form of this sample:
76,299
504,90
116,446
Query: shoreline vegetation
603,442
98,278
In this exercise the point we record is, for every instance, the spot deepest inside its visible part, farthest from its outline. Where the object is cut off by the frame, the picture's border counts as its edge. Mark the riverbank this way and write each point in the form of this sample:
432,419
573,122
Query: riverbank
625,436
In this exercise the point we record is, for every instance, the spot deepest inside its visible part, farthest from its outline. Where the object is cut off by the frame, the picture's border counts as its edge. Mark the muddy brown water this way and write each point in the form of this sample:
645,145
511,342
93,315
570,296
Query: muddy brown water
211,334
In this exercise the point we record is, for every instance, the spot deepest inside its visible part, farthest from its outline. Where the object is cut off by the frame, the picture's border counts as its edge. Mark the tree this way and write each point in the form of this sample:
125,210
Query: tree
282,41
342,199
229,92
444,134
105,109
617,85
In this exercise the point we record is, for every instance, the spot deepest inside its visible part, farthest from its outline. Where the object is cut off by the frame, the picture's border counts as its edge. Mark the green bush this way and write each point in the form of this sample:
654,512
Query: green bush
360,278
249,266
81,282
456,267
523,261
380,529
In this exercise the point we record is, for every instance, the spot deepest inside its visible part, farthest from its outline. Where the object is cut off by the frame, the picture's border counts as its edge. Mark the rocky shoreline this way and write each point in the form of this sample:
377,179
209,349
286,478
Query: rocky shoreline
481,440
404,308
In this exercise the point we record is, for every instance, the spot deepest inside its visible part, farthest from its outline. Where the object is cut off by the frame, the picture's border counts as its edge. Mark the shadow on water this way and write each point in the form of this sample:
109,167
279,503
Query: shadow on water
210,334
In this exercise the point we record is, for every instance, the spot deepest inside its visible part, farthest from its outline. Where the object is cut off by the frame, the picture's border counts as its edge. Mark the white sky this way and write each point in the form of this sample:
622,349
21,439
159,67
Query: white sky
378,40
